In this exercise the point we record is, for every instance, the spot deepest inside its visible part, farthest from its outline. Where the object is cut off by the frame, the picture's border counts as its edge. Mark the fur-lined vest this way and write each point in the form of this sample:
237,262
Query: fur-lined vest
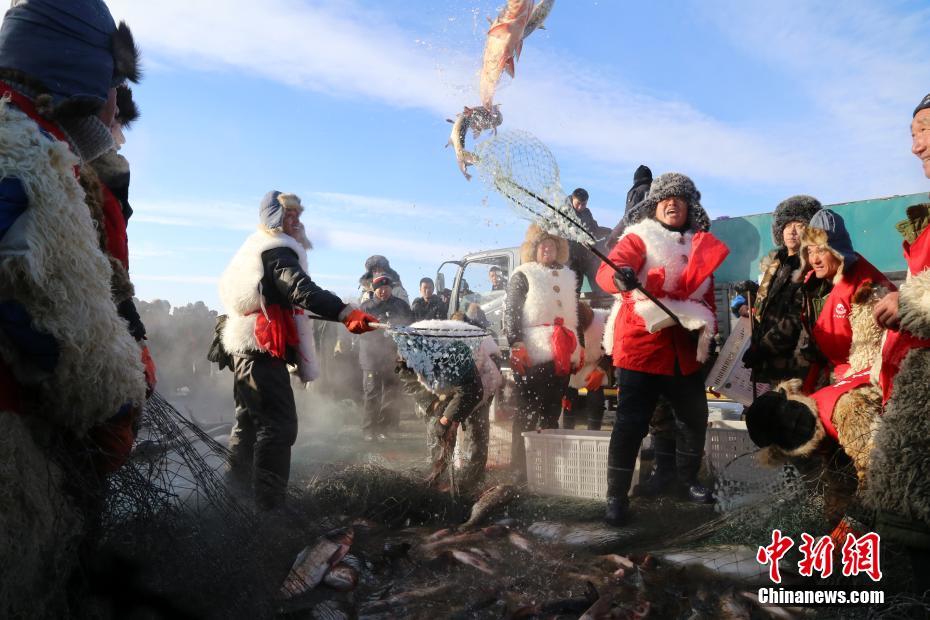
56,279
550,297
677,268
241,294
593,349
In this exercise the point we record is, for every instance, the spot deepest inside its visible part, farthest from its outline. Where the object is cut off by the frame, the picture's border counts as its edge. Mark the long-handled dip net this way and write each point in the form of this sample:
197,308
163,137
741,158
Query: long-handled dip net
522,169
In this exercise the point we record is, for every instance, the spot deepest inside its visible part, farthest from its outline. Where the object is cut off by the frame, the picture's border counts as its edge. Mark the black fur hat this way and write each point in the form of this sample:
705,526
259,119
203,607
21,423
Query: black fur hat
774,419
127,110
800,208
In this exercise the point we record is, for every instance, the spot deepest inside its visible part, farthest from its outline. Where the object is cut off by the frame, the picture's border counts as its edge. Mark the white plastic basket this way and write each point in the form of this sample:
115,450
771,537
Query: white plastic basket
568,462
733,460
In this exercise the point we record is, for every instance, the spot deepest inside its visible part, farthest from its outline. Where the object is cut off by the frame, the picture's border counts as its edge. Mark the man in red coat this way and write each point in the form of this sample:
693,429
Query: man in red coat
665,250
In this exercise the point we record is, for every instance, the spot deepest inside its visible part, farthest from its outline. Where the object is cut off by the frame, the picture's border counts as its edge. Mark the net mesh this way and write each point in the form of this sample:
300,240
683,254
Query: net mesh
518,166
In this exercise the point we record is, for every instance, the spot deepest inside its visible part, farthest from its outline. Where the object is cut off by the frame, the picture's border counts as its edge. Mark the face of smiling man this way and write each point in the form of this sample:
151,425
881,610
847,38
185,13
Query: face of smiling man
920,132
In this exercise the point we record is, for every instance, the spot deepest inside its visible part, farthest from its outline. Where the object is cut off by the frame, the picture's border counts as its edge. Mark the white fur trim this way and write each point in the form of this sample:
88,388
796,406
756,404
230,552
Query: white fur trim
593,348
914,304
240,293
544,304
62,278
611,325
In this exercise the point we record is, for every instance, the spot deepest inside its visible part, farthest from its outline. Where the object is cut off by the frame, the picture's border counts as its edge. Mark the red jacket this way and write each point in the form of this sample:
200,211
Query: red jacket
635,348
832,332
899,343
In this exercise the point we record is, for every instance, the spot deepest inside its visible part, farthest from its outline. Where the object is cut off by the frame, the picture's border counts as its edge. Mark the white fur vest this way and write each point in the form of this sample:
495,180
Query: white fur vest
241,295
669,250
52,265
593,349
550,295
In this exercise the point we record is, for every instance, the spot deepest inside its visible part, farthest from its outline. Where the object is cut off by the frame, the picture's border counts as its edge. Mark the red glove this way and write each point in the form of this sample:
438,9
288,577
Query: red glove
519,360
594,380
149,368
359,322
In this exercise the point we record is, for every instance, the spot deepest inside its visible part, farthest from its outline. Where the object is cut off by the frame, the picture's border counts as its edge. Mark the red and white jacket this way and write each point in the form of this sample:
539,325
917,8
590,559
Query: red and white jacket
677,268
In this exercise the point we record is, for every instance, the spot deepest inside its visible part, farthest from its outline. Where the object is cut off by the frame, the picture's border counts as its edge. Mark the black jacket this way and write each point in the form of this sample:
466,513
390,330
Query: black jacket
377,350
432,309
285,283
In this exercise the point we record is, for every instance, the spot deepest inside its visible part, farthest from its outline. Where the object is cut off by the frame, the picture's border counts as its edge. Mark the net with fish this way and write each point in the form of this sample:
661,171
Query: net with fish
437,351
523,170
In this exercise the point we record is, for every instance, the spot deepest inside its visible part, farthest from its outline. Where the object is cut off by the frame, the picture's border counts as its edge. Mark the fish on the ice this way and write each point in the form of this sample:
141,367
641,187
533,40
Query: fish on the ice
315,560
489,500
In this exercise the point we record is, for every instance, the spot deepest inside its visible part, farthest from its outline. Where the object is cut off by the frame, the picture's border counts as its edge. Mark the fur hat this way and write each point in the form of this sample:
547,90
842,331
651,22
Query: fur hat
828,230
800,208
665,186
127,112
272,207
536,235
74,49
786,425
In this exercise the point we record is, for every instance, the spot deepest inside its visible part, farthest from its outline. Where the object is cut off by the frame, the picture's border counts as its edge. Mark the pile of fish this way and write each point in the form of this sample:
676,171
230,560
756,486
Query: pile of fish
516,21
501,570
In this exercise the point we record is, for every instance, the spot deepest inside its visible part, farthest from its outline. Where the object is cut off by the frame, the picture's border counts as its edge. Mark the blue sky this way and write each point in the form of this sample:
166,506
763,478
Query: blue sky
344,103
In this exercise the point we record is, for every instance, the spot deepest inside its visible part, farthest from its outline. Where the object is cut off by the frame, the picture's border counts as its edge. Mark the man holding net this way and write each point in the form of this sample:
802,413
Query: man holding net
665,250
265,290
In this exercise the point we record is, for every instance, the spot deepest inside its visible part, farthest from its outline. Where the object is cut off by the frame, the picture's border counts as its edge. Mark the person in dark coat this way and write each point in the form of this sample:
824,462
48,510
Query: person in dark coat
642,180
265,290
428,305
376,265
772,355
581,260
377,355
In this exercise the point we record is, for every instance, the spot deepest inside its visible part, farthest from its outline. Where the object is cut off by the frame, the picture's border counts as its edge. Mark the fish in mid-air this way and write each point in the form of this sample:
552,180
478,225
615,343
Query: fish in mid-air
538,17
477,119
503,47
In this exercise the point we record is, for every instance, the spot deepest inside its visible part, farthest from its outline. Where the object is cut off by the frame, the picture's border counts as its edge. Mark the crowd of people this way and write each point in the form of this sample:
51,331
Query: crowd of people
832,332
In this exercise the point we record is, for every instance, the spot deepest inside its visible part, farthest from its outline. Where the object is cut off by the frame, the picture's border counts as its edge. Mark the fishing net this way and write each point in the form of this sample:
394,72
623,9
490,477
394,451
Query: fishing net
175,466
441,352
523,170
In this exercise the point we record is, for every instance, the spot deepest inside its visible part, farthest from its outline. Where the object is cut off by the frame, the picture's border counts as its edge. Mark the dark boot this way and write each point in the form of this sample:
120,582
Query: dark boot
618,489
662,478
689,488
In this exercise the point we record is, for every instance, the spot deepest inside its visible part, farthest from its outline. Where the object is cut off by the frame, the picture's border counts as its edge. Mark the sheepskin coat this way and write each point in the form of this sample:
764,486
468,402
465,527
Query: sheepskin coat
899,479
644,338
241,292
51,266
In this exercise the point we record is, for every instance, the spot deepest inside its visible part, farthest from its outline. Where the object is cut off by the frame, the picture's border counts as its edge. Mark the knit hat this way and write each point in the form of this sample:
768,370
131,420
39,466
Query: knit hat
381,280
642,179
774,419
73,48
800,208
827,229
666,186
923,105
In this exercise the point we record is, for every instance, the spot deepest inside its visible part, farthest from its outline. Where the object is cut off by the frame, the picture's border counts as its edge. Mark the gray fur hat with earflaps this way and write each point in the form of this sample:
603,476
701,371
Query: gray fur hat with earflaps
665,186
800,208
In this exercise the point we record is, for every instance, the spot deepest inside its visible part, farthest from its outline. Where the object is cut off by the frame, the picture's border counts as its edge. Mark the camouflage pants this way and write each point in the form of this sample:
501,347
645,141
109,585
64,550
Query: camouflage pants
472,449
